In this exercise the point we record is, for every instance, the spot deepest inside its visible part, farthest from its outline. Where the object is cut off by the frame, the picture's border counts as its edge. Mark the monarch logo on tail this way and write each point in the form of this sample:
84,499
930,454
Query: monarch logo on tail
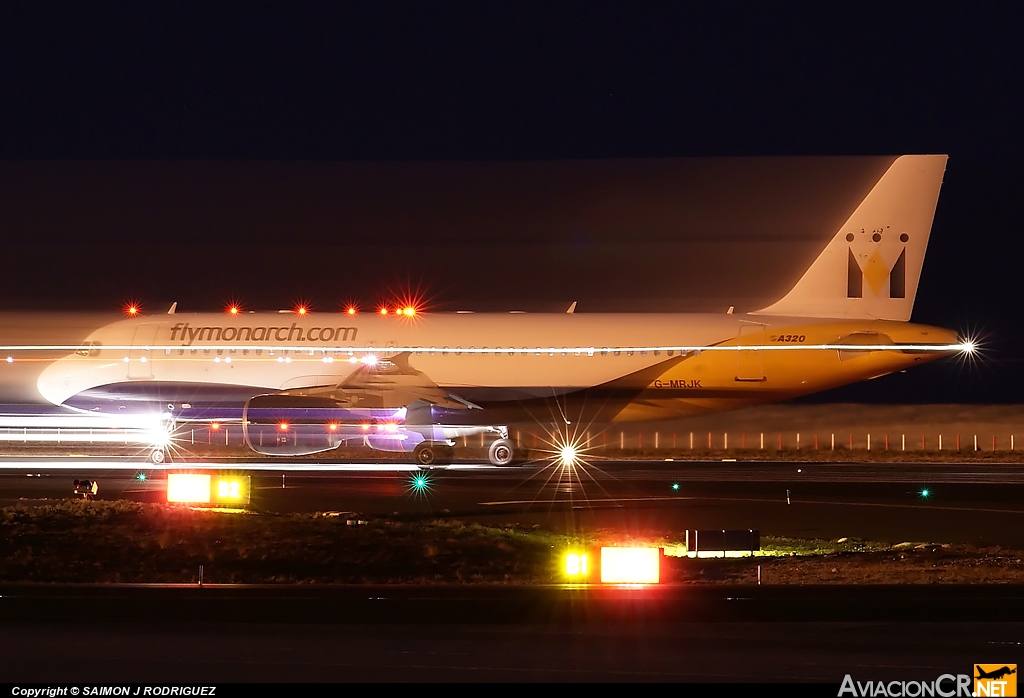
871,266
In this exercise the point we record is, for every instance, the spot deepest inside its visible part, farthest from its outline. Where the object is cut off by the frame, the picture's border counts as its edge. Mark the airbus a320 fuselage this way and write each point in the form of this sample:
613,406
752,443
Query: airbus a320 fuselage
307,383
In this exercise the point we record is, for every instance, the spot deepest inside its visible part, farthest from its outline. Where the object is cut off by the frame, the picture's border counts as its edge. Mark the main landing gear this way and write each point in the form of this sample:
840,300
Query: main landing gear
501,452
431,453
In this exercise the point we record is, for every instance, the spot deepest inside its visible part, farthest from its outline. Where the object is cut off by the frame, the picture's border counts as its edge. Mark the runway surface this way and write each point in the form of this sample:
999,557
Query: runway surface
703,634
190,634
177,653
981,504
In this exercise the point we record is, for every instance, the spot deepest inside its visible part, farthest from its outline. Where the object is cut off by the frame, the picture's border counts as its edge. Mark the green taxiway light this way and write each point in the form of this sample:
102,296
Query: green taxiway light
925,493
675,485
419,483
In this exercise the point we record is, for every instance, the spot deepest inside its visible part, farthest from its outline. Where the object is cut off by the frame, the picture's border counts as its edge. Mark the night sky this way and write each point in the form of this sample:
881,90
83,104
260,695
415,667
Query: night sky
268,154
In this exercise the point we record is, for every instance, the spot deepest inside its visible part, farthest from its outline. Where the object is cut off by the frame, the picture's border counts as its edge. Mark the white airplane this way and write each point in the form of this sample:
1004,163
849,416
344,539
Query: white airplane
309,382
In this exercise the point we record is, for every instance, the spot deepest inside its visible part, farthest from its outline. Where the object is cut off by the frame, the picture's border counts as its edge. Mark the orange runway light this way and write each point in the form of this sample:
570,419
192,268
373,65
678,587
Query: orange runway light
351,310
332,427
283,426
302,310
233,310
630,565
383,311
215,426
188,488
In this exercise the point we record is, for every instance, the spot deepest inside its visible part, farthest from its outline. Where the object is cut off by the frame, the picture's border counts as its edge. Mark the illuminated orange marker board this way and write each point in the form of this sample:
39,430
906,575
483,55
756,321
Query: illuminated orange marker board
630,565
203,488
576,566
192,488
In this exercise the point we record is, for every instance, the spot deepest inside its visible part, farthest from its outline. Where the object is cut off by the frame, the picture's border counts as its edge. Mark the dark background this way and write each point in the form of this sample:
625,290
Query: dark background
131,138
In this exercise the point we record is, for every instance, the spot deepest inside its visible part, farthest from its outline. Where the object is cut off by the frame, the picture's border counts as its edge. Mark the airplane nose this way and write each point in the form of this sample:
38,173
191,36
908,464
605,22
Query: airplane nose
54,383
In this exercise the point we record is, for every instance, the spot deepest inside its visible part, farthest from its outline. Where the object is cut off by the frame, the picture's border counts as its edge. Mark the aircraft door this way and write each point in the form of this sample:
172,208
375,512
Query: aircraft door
750,362
140,357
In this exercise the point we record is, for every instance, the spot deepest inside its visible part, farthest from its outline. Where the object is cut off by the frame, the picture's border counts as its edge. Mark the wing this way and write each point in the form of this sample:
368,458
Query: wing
391,382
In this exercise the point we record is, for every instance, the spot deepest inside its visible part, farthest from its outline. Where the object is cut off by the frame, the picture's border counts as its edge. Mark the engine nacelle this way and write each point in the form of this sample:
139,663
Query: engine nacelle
294,425
280,425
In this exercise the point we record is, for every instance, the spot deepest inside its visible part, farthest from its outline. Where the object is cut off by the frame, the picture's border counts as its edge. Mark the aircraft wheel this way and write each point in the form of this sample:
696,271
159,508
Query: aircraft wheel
157,456
426,454
501,452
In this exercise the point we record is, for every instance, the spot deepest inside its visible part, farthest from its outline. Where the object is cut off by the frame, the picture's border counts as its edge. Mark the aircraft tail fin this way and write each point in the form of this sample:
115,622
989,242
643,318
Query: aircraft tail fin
871,267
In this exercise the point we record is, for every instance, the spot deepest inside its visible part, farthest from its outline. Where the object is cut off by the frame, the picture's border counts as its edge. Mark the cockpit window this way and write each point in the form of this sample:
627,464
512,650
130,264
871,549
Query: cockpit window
89,349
